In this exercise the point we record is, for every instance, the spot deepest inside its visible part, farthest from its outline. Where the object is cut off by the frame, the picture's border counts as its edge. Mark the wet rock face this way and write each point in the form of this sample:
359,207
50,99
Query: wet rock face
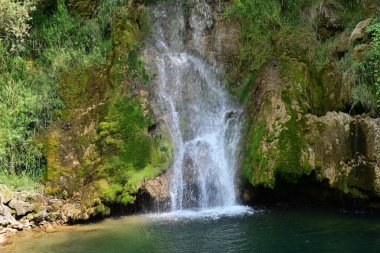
286,141
217,39
345,148
155,194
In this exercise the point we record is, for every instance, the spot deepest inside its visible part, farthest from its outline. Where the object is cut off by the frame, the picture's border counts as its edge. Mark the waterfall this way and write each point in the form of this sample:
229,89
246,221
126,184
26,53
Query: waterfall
192,102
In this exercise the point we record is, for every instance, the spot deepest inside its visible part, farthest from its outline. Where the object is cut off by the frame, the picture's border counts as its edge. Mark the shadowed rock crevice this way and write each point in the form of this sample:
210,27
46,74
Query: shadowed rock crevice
308,191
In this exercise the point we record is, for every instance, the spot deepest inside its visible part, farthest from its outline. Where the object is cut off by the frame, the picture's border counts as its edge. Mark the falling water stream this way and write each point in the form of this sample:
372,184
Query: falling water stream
197,110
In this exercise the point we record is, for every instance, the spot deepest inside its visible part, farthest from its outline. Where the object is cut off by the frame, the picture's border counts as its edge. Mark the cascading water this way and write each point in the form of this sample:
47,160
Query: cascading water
198,112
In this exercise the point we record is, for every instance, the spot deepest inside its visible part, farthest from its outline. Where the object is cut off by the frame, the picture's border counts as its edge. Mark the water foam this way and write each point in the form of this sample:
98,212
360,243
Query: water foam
204,214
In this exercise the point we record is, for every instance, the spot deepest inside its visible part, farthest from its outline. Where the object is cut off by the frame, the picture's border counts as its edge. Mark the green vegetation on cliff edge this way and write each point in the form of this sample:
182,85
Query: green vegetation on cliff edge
74,103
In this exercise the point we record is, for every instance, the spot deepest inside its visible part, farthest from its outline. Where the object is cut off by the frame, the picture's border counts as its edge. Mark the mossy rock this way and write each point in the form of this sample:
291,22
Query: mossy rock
101,151
276,141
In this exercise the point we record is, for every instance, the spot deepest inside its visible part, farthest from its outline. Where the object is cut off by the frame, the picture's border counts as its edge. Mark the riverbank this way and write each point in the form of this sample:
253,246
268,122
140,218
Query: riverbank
26,211
34,210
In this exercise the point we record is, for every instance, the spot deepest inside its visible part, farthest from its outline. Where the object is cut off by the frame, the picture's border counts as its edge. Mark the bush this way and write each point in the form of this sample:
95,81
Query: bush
258,21
364,96
27,103
364,74
14,22
372,59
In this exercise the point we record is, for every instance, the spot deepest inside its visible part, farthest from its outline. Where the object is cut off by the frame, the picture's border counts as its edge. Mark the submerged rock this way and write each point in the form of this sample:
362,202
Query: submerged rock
4,240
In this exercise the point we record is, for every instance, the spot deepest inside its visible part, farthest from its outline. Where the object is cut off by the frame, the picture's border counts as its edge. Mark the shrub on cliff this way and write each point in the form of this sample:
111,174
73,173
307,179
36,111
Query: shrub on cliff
14,22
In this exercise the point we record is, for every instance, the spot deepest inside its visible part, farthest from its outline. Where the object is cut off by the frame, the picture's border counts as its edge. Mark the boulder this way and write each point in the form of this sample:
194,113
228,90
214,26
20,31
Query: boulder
22,208
359,31
7,220
71,212
158,188
16,225
155,194
5,194
5,211
40,216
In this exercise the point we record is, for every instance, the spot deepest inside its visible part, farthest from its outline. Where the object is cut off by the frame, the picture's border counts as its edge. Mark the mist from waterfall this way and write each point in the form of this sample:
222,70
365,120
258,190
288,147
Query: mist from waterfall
203,122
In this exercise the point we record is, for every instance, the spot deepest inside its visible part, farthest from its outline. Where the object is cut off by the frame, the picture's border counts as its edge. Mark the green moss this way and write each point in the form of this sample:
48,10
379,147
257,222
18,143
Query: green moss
124,133
130,153
73,90
255,163
52,151
296,77
247,87
291,141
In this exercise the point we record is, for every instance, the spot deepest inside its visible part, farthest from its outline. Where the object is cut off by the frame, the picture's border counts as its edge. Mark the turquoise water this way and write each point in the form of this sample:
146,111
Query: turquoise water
266,231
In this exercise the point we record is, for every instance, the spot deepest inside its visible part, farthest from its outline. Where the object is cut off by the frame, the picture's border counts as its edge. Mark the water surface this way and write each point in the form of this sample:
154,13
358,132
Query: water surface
231,230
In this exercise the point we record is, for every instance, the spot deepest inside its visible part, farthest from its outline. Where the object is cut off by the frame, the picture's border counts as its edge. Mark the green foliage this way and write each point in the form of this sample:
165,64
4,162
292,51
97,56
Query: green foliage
302,29
372,59
363,74
20,182
364,96
27,103
61,42
30,78
274,27
258,21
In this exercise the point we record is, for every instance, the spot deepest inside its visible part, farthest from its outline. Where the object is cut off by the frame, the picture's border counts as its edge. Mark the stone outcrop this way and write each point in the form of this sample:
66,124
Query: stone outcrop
27,210
286,141
219,41
359,31
158,188
156,194
345,151
299,127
